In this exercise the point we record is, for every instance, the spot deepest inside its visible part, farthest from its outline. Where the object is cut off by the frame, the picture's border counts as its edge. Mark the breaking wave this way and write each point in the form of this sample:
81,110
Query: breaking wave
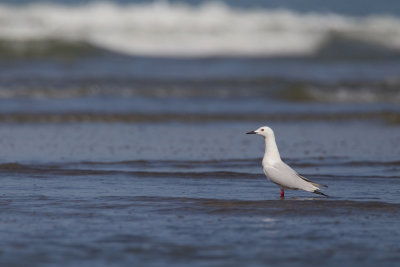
179,30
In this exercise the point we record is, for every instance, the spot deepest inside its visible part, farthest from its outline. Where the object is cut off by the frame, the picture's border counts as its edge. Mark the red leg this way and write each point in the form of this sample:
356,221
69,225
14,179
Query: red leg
282,193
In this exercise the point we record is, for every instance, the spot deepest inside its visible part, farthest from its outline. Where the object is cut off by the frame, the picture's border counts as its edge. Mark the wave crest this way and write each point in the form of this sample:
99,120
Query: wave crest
211,29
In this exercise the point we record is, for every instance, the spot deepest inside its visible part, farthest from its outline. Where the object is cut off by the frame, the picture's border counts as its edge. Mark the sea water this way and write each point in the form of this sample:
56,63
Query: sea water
122,132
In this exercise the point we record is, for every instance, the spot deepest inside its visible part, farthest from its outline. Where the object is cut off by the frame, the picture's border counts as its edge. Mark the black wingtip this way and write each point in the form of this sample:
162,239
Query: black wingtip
320,193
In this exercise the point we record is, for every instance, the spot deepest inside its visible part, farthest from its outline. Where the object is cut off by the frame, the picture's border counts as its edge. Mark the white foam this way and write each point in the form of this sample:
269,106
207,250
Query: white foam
163,29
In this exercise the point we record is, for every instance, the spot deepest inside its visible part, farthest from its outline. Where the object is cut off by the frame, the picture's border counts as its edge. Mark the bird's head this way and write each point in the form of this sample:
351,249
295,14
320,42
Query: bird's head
264,131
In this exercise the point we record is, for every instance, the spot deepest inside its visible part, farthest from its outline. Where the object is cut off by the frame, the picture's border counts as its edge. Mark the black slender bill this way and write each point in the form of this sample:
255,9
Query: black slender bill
252,132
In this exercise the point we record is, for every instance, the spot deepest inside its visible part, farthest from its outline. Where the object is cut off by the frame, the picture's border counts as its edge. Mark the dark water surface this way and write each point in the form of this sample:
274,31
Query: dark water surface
180,194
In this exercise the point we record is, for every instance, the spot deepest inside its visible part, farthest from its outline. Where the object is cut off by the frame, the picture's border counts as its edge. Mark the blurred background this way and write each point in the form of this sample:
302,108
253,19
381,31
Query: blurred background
198,60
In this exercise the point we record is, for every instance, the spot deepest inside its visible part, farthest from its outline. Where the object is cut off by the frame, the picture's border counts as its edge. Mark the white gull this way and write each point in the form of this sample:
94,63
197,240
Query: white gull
278,171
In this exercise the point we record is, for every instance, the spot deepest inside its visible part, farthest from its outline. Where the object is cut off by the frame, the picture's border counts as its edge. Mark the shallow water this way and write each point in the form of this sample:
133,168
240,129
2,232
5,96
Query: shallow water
130,194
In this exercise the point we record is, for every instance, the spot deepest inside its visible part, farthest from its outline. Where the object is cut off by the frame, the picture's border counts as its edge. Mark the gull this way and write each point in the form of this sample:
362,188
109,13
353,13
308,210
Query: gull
278,171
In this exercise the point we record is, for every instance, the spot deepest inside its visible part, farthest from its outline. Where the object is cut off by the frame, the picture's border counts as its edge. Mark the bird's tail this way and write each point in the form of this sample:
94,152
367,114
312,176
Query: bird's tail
311,182
320,193
318,185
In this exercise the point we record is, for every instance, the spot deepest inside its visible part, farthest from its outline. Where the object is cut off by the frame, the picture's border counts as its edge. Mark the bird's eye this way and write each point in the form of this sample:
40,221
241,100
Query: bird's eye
262,130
